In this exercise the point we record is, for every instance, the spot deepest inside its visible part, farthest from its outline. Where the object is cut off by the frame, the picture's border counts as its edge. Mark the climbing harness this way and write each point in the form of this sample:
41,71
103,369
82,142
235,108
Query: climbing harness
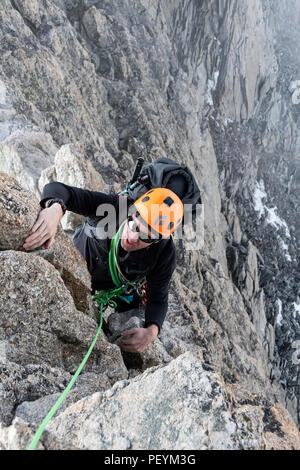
105,298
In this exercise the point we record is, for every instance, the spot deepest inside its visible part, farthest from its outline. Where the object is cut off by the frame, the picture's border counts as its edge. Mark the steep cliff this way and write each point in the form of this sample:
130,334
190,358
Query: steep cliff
213,85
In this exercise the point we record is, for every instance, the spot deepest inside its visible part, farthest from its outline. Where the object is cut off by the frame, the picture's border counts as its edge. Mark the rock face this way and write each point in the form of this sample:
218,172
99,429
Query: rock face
72,167
19,210
18,213
39,324
25,150
179,406
215,86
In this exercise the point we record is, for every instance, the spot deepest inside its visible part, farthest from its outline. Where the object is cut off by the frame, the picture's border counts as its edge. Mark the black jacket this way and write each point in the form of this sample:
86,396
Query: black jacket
157,261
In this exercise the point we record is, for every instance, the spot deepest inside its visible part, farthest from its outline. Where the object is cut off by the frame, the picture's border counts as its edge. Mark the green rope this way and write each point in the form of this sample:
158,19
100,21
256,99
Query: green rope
104,298
113,253
111,258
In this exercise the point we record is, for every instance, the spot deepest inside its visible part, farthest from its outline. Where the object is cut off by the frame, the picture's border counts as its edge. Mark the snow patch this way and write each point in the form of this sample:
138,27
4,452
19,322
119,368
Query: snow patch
285,248
211,86
279,317
276,221
227,121
258,196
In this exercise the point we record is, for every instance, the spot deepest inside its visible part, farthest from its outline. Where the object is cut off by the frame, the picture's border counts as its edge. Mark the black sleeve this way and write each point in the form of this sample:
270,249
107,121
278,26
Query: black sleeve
80,201
158,287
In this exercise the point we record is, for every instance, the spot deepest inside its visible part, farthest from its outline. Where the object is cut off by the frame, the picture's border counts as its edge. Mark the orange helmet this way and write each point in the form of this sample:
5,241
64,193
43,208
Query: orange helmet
161,209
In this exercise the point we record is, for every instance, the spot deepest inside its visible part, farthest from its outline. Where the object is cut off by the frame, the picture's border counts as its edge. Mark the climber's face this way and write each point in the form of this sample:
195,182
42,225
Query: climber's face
135,235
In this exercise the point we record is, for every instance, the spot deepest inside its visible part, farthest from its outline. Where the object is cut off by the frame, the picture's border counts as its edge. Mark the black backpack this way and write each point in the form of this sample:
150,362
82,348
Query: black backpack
164,173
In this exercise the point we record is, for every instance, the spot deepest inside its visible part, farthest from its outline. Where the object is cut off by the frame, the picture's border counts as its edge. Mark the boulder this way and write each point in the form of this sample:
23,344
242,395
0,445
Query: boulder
17,437
19,210
33,412
29,9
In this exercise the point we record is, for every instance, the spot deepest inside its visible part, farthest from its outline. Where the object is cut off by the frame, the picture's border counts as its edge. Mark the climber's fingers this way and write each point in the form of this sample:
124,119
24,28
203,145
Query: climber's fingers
39,242
48,243
37,239
37,233
135,340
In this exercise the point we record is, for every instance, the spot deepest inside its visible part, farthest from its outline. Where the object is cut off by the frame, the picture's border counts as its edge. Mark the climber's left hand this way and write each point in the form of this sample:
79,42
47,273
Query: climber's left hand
137,339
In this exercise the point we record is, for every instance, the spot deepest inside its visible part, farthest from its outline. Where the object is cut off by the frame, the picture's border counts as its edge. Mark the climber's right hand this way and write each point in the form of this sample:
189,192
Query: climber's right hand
44,229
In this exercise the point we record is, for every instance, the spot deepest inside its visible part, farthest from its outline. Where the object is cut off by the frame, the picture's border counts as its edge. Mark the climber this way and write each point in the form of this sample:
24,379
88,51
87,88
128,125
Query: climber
145,250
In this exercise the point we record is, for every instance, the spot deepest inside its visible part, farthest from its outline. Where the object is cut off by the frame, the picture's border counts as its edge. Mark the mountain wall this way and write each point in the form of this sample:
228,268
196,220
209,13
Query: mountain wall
87,87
